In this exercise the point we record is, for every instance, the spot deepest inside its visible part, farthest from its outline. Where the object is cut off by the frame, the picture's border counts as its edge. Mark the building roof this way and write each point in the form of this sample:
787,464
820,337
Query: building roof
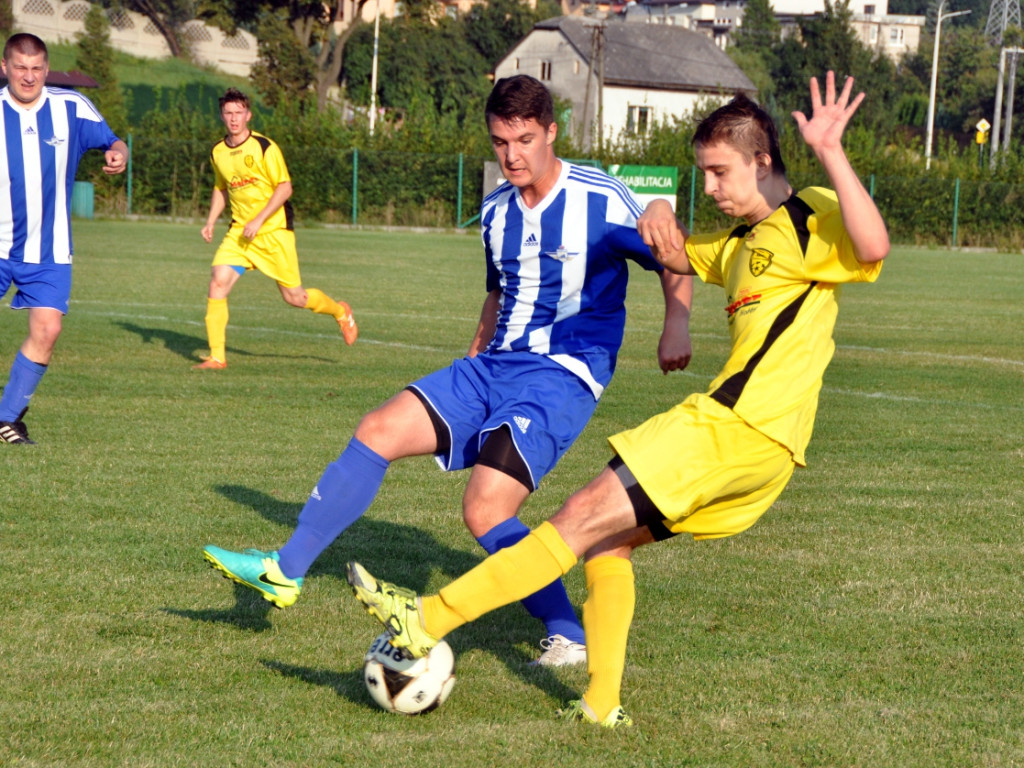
655,55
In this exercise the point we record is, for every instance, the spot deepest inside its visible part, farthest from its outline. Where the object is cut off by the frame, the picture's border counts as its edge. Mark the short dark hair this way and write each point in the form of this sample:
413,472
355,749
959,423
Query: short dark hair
26,44
520,97
233,95
746,127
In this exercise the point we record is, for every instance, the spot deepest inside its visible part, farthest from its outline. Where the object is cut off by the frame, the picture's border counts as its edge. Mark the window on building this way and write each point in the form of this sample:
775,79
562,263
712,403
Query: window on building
638,120
896,36
874,35
545,70
869,10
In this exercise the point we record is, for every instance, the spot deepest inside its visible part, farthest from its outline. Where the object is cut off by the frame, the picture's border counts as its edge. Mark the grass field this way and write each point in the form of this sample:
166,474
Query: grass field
872,618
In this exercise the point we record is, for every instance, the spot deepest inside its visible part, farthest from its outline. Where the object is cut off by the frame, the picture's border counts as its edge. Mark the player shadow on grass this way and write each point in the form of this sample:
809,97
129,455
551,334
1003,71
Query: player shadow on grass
250,612
189,347
409,556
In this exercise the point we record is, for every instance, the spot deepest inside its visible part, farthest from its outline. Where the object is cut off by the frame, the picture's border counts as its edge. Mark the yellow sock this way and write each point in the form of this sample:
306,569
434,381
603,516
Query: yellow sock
505,577
217,327
322,304
607,614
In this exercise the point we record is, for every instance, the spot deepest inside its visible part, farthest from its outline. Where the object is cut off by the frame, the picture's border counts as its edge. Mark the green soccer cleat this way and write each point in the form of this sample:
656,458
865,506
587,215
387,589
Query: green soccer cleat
258,570
579,711
394,607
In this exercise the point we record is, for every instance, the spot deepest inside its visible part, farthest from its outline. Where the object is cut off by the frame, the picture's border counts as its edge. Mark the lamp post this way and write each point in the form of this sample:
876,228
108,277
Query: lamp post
373,74
939,16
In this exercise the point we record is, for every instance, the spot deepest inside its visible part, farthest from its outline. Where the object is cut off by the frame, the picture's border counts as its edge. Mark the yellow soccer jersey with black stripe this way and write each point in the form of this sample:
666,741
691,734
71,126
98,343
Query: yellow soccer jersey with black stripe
781,277
250,173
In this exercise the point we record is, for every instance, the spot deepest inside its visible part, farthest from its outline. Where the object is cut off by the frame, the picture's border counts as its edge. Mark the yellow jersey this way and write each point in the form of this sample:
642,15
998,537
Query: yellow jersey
249,174
781,278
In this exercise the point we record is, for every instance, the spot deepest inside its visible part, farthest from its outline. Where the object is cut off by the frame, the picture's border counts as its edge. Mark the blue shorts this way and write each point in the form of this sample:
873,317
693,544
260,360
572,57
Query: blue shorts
36,285
544,406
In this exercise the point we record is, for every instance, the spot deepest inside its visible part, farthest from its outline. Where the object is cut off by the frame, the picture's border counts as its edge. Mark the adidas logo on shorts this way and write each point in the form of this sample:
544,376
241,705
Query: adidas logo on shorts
522,422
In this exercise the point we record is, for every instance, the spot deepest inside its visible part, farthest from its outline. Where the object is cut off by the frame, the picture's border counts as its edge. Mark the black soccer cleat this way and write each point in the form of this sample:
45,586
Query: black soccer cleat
15,431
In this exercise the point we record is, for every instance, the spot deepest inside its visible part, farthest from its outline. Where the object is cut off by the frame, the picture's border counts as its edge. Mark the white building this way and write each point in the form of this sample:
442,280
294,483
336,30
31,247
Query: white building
621,77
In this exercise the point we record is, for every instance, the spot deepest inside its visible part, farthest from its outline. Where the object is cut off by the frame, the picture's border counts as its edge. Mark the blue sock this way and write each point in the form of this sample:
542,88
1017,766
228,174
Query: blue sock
346,489
551,604
20,387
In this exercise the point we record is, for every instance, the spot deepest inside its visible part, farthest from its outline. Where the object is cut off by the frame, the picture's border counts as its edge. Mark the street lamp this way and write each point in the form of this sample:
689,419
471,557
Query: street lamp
373,74
935,75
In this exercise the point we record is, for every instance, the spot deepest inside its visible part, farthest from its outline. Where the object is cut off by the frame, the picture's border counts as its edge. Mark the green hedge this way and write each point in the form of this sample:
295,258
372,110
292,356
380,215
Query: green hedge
172,177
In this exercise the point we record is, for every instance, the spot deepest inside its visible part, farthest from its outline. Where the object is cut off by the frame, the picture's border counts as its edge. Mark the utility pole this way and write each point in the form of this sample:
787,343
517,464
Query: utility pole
595,69
996,119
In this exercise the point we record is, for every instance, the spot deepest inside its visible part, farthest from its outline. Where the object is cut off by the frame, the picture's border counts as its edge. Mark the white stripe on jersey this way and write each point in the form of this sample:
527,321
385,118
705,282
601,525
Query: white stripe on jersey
6,209
33,185
61,209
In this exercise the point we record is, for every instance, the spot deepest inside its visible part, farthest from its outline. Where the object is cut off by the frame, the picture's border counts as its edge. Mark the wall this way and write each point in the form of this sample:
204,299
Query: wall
133,33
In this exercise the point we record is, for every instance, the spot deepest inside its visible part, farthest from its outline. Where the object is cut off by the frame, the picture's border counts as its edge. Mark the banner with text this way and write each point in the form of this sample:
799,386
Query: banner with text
649,182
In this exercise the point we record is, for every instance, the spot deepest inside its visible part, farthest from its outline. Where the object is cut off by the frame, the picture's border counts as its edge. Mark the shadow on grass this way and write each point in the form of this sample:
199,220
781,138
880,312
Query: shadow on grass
408,556
182,344
189,347
250,612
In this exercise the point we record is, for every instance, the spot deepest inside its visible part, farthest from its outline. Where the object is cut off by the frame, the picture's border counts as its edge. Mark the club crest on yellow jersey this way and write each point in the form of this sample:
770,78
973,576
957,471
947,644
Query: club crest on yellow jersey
760,260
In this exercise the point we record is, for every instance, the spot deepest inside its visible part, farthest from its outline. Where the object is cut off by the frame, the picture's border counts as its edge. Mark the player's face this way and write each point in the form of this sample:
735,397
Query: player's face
525,151
26,76
732,180
236,119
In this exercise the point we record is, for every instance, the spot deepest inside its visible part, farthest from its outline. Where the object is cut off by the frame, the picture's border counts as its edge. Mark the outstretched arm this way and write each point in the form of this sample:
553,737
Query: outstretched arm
823,134
674,348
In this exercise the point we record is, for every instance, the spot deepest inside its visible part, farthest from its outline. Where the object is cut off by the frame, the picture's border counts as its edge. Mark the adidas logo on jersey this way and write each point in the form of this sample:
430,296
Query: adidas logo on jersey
30,131
531,241
522,422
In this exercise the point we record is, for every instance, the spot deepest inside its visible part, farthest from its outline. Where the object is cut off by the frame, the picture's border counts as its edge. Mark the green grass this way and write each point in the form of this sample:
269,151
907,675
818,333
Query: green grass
159,73
872,618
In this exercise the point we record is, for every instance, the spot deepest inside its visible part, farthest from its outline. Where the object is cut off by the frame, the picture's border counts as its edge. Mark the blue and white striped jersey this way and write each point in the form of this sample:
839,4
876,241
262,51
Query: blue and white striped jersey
561,267
39,157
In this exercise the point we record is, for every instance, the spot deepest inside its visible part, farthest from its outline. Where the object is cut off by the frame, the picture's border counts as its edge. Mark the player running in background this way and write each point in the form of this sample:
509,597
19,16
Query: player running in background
251,173
45,133
557,239
712,465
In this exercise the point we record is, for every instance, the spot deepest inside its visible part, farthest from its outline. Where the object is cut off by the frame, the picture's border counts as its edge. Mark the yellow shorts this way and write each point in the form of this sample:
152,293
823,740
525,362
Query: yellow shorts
706,470
272,253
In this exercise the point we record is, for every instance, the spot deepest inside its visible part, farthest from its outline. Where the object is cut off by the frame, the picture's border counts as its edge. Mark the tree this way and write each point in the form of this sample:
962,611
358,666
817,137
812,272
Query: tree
6,18
320,28
95,58
284,70
167,16
493,28
760,30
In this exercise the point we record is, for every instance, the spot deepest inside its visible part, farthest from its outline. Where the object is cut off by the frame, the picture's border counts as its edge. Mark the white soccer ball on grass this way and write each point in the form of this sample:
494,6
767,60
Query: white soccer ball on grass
400,683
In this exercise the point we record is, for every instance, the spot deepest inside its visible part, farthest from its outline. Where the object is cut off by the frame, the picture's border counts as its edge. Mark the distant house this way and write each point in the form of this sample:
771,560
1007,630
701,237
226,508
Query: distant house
889,35
623,78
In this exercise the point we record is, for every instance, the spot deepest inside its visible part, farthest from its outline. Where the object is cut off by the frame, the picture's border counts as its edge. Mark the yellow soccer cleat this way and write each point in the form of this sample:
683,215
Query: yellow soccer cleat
394,607
579,711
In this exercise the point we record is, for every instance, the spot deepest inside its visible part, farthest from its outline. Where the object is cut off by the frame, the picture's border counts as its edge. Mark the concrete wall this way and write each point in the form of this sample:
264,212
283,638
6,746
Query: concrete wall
133,33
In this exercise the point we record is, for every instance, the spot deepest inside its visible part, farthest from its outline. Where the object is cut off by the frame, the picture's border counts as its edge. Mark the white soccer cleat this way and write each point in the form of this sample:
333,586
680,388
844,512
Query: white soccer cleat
560,651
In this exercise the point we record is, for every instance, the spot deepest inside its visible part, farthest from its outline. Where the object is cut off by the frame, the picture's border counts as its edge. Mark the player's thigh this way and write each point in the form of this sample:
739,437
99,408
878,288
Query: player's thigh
708,472
41,285
399,427
275,255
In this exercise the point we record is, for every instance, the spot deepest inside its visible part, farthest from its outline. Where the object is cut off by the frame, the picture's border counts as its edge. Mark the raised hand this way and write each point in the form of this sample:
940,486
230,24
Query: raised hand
824,131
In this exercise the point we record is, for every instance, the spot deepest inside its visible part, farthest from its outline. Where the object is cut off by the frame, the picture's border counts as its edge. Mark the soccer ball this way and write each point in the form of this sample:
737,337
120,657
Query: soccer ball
400,683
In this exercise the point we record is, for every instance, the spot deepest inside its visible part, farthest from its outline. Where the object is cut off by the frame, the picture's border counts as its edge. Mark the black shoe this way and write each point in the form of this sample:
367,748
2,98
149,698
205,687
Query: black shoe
15,431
